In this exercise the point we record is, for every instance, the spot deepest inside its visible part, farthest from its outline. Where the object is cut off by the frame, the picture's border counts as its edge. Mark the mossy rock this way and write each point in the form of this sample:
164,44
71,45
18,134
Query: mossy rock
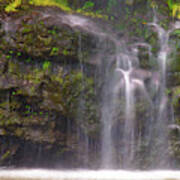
36,35
37,103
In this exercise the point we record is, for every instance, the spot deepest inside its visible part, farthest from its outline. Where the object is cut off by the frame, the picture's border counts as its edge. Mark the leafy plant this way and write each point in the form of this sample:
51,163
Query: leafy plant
170,4
177,32
54,51
176,11
88,5
19,54
65,52
12,6
46,65
175,8
53,31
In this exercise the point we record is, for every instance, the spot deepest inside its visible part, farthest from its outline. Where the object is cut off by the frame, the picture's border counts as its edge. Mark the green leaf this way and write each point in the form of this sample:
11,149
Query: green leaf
54,51
88,5
46,65
176,10
12,6
170,4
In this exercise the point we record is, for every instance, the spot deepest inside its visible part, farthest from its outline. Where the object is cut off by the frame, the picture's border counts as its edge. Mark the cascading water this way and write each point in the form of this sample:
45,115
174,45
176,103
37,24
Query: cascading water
124,132
162,119
128,84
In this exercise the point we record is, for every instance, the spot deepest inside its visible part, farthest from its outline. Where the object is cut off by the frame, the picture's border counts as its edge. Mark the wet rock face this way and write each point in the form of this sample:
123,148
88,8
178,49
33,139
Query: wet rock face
43,89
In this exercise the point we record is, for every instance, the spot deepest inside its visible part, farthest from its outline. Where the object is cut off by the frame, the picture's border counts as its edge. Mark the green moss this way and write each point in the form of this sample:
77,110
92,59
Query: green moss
19,132
176,94
9,119
95,14
13,68
5,155
65,52
58,3
175,64
38,40
26,30
87,8
14,5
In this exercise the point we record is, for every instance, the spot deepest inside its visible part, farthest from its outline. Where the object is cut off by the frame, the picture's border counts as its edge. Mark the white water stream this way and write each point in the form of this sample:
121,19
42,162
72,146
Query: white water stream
131,84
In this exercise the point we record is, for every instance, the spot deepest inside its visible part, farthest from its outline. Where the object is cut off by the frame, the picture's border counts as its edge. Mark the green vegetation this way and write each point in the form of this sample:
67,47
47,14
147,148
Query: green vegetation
111,4
174,8
87,8
46,65
177,32
12,7
54,51
88,5
58,3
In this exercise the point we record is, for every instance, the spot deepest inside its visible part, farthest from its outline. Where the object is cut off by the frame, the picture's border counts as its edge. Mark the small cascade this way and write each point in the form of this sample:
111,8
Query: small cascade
107,111
129,134
122,87
161,116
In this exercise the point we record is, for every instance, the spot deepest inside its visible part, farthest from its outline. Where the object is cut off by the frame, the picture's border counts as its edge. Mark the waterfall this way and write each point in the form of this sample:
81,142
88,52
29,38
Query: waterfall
162,119
126,88
134,107
129,127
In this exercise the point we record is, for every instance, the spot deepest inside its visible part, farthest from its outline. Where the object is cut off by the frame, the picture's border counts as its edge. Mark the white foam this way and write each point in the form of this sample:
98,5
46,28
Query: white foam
90,175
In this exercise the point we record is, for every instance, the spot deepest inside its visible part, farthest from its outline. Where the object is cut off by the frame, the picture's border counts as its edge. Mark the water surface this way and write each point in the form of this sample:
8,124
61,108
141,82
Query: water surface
39,174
